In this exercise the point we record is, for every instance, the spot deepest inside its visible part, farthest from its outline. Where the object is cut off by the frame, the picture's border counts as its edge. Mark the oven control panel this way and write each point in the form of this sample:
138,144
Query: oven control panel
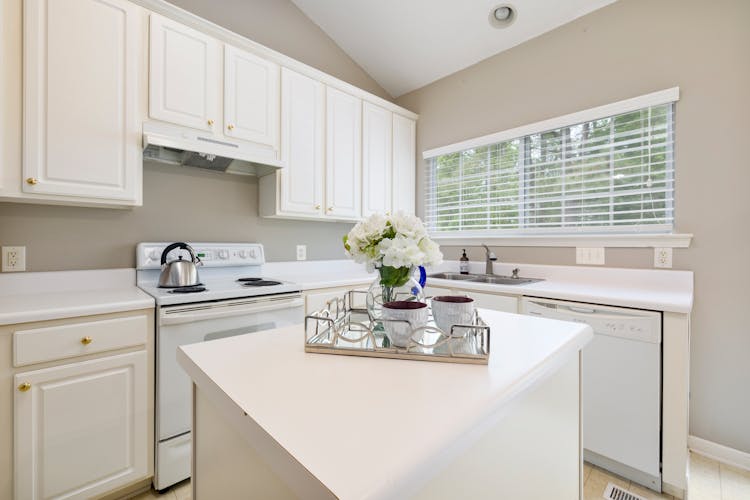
148,255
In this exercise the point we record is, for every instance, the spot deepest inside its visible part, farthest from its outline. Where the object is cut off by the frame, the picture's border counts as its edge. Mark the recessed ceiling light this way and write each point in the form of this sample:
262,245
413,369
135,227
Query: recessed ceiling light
502,13
502,16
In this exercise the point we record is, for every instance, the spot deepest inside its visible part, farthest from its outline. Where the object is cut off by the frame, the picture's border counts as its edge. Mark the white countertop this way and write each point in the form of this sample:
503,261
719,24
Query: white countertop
26,297
310,275
369,427
654,289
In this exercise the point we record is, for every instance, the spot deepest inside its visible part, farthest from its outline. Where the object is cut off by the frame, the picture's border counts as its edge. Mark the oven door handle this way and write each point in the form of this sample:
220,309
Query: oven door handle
223,311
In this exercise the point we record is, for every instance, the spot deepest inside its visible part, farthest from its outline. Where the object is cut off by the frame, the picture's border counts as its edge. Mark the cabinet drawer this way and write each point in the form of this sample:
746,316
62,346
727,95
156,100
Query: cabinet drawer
77,339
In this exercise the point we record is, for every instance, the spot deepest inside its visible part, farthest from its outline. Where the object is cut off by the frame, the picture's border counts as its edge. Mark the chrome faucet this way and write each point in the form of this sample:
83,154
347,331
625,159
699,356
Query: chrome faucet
491,257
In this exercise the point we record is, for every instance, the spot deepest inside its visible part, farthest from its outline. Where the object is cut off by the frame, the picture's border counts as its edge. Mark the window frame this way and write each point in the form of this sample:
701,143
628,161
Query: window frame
661,235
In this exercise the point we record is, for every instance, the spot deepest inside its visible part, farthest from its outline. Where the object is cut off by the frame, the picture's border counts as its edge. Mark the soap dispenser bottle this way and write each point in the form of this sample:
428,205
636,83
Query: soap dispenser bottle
464,263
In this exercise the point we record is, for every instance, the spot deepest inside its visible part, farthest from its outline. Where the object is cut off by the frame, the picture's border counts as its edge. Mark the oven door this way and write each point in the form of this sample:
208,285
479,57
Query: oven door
190,323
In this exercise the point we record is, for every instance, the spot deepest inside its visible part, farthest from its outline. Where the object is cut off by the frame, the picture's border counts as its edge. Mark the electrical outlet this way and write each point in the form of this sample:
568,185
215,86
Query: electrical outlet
301,252
14,259
663,257
591,256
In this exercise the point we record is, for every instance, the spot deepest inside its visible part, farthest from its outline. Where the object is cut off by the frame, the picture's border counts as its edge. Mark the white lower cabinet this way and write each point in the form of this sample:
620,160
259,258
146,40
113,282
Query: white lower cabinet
80,428
504,303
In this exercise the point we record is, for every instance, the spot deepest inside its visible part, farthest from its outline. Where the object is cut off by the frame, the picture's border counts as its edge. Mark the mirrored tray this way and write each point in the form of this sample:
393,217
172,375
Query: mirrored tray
345,327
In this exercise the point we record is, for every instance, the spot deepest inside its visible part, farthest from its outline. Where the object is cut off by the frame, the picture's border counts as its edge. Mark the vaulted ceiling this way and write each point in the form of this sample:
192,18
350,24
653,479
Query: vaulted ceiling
407,44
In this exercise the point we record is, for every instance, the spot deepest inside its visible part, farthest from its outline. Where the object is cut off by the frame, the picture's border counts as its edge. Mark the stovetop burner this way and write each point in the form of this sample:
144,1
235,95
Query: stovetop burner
188,289
257,282
262,283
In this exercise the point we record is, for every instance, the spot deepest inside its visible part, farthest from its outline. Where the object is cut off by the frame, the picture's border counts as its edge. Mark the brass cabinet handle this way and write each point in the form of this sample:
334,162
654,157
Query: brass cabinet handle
330,209
86,340
387,213
317,207
230,126
24,387
32,181
210,122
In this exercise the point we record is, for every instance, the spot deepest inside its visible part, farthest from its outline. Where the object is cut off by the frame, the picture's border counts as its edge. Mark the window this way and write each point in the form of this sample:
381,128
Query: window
607,174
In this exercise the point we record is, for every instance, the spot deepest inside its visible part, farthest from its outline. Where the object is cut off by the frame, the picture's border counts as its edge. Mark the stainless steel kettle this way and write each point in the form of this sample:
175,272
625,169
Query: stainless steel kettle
179,272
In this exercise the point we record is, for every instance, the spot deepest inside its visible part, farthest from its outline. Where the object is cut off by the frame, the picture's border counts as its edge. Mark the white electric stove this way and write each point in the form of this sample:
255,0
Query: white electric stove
234,298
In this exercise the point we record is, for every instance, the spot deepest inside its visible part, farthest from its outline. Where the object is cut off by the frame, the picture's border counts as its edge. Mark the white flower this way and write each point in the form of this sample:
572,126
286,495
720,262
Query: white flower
397,241
408,225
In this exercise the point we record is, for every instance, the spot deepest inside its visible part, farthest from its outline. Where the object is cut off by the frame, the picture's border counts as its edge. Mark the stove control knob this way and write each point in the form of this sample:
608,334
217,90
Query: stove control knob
243,254
224,254
252,253
154,255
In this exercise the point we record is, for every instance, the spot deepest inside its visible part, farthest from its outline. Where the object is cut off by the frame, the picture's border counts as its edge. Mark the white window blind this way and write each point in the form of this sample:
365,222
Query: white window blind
610,174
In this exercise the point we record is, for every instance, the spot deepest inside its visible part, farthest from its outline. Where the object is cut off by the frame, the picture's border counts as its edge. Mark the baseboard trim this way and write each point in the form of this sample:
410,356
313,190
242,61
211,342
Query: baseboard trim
719,452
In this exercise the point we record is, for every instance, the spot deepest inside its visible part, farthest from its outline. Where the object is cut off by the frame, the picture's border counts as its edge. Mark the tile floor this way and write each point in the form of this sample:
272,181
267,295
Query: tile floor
709,480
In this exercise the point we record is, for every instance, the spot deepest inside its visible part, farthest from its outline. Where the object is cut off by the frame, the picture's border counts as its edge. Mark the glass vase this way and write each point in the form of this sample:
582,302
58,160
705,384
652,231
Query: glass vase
391,285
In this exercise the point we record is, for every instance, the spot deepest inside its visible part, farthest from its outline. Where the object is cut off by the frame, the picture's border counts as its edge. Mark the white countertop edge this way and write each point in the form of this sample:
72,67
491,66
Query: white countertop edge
594,295
450,445
44,314
320,284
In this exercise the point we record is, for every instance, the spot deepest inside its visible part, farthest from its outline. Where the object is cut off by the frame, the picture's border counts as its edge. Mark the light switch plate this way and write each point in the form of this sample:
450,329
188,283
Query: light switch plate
591,256
663,257
14,259
301,252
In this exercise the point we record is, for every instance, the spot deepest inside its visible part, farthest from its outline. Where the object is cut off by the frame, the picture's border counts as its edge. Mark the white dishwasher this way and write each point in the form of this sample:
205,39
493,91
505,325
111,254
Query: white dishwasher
621,386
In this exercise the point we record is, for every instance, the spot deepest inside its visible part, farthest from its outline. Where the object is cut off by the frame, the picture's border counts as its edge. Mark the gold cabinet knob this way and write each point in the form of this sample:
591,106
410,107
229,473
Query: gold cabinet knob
330,209
24,387
317,207
210,122
230,126
86,340
32,181
387,213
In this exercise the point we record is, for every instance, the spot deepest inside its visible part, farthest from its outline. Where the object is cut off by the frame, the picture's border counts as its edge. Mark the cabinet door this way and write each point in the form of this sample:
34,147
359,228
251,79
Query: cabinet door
81,429
343,155
81,99
404,168
184,76
503,303
251,97
377,136
302,144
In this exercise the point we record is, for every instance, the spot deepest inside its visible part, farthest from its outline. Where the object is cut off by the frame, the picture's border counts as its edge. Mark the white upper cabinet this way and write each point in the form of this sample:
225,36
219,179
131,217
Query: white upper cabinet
82,70
343,155
302,144
185,77
404,168
251,97
377,140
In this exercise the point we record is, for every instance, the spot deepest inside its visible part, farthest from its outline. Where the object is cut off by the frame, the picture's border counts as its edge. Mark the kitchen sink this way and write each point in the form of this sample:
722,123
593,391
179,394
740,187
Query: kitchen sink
454,276
485,278
504,280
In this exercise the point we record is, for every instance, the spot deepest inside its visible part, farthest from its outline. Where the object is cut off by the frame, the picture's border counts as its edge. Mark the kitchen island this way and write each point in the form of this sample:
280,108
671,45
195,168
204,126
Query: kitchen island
272,421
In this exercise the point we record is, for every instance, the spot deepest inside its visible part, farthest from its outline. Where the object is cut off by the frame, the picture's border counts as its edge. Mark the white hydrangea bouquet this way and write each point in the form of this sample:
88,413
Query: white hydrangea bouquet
393,245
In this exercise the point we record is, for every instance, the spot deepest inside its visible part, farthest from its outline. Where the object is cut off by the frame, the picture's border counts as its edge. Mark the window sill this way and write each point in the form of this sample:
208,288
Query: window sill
670,240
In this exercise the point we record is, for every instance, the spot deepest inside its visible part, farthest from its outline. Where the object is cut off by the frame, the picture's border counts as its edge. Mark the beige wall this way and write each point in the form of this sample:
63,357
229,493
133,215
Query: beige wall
629,48
180,203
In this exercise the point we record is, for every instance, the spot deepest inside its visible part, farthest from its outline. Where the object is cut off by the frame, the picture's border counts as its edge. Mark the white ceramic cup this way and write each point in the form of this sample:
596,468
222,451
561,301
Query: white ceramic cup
449,310
414,315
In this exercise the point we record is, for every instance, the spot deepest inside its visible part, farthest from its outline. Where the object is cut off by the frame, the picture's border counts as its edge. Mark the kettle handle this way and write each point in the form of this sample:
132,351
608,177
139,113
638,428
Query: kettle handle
171,247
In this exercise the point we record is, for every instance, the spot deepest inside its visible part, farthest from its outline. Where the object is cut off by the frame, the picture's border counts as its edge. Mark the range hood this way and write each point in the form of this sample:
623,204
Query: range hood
186,147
